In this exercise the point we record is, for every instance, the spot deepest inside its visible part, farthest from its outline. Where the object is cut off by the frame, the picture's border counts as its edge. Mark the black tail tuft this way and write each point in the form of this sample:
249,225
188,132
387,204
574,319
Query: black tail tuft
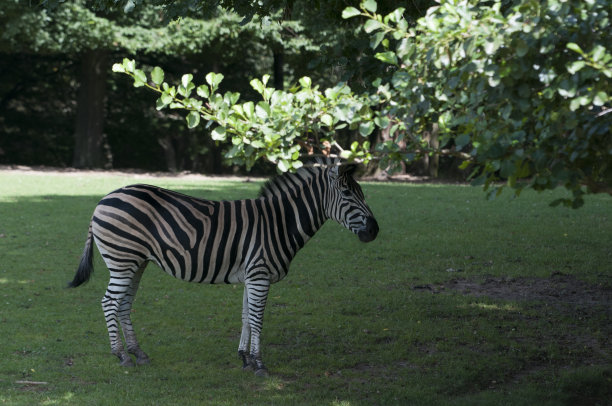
86,265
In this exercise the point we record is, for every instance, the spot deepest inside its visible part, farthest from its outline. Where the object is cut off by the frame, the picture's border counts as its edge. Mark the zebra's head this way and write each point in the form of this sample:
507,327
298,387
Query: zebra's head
346,203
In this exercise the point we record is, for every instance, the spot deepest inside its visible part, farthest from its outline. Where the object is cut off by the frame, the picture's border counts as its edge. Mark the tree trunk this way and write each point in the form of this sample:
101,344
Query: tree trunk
434,143
431,162
89,126
279,74
169,152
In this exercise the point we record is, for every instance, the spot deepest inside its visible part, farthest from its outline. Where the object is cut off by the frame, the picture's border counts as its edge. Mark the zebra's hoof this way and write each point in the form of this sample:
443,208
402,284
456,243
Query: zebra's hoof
143,361
262,372
126,361
247,367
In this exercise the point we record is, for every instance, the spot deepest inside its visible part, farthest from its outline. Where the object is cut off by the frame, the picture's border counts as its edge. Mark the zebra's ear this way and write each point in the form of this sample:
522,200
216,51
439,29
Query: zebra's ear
347,170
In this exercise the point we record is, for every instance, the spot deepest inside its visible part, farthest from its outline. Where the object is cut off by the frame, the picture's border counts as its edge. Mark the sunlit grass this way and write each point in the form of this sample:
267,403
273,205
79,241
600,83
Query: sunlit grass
496,306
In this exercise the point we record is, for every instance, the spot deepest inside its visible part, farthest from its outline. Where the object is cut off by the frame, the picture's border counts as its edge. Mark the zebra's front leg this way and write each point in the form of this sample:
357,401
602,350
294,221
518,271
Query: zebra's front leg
245,335
257,295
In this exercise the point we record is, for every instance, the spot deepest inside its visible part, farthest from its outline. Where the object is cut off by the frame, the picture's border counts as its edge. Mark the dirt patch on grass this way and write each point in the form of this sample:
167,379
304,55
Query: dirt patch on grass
32,386
558,289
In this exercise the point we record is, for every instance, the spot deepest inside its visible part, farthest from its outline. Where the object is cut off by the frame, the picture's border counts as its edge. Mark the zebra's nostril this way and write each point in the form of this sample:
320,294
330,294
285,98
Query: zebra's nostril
372,226
370,231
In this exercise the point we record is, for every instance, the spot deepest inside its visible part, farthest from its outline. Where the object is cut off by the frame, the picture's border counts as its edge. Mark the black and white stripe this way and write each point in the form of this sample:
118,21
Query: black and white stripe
244,241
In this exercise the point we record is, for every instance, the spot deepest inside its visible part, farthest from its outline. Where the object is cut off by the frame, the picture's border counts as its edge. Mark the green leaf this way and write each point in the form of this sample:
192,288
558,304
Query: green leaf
129,65
372,25
382,121
369,5
600,98
258,144
327,120
186,80
444,121
239,110
283,165
203,91
387,57
575,104
214,79
598,53
166,98
159,104
185,91
305,82
262,110
157,75
193,119
366,128
117,67
575,47
230,98
129,6
257,85
491,45
395,16
575,66
464,164
264,79
249,109
140,78
350,12
346,154
567,88
376,39
219,134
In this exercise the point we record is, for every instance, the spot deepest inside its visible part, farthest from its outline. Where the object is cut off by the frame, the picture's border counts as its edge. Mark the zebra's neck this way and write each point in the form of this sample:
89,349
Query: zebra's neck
292,208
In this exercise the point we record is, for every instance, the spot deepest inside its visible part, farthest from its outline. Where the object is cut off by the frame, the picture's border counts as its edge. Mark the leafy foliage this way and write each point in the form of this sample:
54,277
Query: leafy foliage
275,128
511,89
41,54
520,91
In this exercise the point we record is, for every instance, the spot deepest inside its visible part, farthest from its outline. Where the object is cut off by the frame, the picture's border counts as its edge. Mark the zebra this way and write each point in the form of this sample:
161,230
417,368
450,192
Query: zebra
244,241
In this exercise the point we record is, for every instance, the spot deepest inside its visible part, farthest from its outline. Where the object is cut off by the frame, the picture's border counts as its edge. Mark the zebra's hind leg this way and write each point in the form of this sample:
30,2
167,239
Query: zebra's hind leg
115,300
125,308
110,306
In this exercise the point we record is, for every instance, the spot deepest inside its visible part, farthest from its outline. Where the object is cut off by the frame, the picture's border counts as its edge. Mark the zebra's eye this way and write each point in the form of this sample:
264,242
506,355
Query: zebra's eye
346,193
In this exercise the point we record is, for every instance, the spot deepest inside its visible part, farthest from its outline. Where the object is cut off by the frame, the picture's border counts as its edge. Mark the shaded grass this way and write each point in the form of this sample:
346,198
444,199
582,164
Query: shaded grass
350,325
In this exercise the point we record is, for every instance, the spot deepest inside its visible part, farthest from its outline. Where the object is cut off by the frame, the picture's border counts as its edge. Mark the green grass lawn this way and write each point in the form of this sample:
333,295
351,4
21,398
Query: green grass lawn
424,315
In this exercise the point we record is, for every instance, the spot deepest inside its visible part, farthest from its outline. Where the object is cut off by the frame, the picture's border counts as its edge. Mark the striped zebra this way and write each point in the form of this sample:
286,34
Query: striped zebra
242,241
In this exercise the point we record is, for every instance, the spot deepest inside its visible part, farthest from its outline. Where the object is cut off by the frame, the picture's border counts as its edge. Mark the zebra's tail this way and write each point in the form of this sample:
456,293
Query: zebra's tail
86,268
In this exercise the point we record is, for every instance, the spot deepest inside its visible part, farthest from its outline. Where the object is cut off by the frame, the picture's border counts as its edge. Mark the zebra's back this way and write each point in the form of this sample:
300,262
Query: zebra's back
192,239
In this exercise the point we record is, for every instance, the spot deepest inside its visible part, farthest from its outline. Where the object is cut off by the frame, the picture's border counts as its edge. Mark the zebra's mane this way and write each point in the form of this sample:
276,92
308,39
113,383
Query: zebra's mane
279,181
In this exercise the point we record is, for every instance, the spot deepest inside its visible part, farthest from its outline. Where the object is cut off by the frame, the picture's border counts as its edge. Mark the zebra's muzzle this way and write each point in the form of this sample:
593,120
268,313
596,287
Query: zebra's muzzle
369,231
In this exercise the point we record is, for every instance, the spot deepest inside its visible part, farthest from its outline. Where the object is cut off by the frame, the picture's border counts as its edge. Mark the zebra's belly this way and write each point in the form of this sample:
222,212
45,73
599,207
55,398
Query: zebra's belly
199,270
234,274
